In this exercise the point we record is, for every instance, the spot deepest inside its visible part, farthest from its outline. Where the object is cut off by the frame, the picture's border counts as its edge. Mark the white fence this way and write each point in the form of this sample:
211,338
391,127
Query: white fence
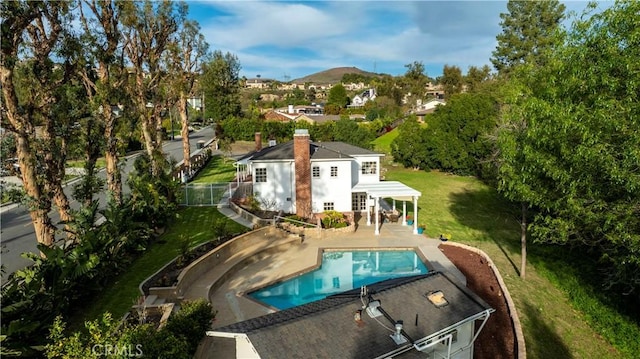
206,194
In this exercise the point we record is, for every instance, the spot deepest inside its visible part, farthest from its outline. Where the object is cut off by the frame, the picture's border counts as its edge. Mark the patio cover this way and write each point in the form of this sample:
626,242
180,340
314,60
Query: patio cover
390,189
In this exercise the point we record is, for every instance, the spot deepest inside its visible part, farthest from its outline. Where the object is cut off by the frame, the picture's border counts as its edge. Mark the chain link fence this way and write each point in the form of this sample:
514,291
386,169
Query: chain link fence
205,194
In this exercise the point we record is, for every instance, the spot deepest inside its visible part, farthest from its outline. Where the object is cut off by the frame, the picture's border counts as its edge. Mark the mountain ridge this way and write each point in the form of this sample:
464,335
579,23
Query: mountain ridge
333,75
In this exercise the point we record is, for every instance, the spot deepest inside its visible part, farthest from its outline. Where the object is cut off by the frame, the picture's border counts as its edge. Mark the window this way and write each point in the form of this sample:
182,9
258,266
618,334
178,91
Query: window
334,171
329,206
261,175
316,172
369,168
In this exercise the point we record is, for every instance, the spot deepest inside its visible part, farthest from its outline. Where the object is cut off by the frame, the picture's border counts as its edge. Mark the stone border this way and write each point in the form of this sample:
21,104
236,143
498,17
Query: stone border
521,349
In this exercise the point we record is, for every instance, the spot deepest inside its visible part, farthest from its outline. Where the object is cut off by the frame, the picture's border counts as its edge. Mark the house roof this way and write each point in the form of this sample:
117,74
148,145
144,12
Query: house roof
318,151
327,328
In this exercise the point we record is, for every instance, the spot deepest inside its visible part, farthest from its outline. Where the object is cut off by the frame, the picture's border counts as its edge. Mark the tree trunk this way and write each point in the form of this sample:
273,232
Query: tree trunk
184,121
523,241
114,178
39,205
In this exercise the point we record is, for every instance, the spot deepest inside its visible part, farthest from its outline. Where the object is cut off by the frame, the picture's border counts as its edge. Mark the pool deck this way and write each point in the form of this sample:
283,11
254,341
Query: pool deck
233,306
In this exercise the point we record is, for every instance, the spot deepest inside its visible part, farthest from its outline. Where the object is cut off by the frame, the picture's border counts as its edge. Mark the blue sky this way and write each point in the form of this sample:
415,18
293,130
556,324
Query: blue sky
290,39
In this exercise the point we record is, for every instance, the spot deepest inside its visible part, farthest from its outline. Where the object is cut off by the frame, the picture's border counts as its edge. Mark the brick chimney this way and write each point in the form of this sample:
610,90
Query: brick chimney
258,138
302,162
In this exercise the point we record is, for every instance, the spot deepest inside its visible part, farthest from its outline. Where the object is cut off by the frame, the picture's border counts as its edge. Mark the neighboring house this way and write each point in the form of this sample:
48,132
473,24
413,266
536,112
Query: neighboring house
361,99
317,119
307,178
422,109
426,316
256,83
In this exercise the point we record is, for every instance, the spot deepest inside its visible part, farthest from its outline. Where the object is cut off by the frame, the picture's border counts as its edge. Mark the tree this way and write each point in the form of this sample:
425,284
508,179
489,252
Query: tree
451,80
455,138
528,33
415,81
338,97
221,86
350,132
185,60
149,30
37,29
577,156
476,76
102,39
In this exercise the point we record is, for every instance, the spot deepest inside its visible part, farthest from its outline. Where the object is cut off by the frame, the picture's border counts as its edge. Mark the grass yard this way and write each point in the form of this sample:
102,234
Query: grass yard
217,170
383,143
100,163
193,223
557,313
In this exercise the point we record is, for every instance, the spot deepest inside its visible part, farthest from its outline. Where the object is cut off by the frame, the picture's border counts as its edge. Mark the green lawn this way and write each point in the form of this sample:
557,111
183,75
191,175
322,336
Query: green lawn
193,223
100,163
548,299
383,143
217,170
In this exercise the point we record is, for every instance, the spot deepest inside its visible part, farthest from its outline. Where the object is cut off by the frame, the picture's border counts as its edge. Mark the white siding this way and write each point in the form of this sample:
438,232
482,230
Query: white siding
358,177
331,189
280,185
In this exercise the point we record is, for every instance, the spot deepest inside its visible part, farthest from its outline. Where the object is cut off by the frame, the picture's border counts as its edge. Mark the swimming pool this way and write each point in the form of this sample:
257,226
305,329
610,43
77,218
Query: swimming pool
339,272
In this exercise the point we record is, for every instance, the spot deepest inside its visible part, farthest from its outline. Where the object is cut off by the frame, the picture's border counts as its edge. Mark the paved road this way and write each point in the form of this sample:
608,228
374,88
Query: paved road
17,234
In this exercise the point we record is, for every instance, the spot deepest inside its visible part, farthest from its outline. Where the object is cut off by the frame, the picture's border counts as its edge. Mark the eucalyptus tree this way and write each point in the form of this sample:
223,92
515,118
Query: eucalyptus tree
32,34
184,60
103,77
149,29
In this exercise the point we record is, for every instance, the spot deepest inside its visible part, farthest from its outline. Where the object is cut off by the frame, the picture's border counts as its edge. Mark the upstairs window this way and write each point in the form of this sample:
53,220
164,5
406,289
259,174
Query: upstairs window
369,168
316,172
261,175
334,171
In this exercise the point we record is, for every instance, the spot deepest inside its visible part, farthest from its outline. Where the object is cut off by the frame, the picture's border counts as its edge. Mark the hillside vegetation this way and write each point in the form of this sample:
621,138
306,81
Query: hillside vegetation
333,76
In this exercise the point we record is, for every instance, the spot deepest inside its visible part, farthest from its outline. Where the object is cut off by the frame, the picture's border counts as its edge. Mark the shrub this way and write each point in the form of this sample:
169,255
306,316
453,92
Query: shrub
191,322
334,219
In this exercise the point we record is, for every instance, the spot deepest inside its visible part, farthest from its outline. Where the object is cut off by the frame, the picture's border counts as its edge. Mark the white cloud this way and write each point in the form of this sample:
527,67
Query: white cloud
298,38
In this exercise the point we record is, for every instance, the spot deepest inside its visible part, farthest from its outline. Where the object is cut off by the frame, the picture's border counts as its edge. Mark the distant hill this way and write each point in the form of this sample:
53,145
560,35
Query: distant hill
332,76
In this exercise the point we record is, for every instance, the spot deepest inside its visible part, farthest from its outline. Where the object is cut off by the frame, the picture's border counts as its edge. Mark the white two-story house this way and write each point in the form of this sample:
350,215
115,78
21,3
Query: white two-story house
305,178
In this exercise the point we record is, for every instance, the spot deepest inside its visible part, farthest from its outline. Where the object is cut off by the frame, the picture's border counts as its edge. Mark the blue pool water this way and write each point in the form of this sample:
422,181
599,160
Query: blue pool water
339,272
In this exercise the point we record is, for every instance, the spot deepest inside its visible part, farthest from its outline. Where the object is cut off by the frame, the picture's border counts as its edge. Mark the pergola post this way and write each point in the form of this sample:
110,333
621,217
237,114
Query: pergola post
368,211
377,231
404,212
415,215
394,204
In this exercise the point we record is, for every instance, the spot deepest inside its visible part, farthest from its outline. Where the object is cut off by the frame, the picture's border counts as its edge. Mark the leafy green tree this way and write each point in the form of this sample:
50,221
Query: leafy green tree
570,146
456,134
415,81
408,148
350,132
451,80
476,76
528,33
221,86
337,99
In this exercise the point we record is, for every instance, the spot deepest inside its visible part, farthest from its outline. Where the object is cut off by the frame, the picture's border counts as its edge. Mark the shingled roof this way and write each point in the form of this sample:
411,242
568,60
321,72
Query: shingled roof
327,328
318,150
